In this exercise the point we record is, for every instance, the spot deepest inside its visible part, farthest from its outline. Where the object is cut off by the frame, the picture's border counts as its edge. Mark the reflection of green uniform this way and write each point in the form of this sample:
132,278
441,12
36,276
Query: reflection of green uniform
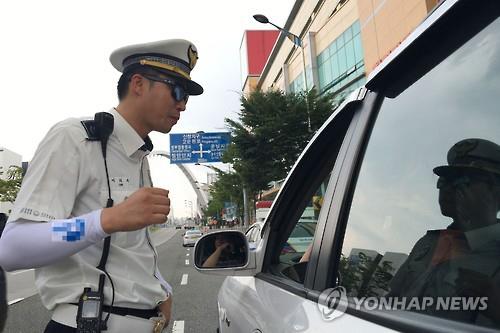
421,275
411,276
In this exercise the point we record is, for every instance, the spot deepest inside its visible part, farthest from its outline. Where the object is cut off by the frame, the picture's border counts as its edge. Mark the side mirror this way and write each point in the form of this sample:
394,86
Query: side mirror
223,249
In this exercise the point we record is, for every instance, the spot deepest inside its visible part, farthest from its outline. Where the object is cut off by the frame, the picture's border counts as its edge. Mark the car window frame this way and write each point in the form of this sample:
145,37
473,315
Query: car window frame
343,118
382,85
252,232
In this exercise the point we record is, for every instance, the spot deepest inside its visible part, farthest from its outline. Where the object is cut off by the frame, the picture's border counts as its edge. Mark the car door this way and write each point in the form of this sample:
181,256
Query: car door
275,299
413,223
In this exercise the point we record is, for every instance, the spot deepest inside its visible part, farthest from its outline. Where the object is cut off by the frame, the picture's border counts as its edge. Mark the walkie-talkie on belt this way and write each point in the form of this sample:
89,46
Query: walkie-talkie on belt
89,315
88,318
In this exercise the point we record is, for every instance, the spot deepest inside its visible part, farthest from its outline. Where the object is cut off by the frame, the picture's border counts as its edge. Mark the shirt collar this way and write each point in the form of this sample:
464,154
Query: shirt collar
479,237
128,137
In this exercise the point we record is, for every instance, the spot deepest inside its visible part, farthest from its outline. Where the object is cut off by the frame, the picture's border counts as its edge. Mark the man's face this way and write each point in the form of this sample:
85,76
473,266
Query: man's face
471,200
160,110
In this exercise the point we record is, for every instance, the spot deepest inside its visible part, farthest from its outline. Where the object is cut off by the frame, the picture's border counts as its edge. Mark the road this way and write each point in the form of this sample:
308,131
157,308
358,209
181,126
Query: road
195,294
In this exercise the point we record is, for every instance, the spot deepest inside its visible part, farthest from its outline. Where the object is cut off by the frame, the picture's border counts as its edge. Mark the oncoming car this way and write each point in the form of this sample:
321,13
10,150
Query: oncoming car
410,165
190,237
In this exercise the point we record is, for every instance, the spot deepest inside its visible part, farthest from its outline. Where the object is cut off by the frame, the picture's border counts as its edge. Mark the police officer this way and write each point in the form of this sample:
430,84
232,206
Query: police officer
58,222
461,260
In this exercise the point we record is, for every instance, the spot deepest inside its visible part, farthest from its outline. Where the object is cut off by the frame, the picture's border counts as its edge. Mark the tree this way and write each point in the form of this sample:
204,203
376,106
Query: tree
227,188
271,132
365,277
9,188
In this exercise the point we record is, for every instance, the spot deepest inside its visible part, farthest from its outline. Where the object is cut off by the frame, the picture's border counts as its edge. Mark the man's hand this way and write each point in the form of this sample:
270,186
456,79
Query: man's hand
166,309
146,206
223,246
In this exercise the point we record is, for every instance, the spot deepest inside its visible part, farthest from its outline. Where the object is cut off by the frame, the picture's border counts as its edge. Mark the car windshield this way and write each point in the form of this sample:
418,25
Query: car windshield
193,232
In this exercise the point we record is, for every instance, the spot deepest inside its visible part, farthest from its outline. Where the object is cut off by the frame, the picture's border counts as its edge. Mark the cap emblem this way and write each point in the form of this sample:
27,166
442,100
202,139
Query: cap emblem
192,56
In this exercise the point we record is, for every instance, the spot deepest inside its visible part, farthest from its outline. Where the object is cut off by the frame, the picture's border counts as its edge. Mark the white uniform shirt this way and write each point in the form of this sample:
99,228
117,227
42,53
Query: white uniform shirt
66,178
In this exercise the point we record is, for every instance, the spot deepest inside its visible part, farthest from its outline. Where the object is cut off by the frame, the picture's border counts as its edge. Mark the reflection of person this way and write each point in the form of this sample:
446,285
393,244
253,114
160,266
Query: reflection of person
224,254
58,224
462,260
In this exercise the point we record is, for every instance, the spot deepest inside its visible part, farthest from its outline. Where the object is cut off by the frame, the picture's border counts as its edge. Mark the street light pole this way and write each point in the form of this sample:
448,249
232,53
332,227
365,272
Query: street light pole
297,41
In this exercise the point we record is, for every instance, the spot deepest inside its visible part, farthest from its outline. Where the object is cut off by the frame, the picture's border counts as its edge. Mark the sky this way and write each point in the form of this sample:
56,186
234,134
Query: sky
55,66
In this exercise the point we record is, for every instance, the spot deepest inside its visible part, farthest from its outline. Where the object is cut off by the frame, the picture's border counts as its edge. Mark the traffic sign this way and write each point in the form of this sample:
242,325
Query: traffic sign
198,147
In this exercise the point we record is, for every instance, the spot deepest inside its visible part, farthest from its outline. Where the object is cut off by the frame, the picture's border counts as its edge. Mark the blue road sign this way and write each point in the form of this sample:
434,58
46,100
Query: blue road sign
198,147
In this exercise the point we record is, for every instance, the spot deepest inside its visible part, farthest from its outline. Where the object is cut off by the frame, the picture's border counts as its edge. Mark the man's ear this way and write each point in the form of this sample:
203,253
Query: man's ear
137,84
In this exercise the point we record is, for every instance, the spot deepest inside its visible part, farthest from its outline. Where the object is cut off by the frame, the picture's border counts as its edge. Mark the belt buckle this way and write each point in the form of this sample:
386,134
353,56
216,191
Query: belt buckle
159,325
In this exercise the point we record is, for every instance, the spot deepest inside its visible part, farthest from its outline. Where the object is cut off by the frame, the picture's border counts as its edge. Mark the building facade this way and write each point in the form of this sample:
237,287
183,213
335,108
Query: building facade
342,41
256,45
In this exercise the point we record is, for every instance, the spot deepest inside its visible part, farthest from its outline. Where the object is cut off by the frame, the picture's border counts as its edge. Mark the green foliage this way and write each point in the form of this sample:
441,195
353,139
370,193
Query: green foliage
271,132
226,189
10,187
367,277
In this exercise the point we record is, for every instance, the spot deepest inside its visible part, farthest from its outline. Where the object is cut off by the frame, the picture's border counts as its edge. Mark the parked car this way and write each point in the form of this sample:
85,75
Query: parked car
190,237
411,166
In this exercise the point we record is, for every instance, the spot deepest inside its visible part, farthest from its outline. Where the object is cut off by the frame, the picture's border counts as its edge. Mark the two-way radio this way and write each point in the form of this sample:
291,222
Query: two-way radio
89,315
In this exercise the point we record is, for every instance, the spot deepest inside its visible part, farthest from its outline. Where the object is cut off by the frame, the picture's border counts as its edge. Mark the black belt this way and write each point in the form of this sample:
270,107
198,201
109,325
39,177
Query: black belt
146,314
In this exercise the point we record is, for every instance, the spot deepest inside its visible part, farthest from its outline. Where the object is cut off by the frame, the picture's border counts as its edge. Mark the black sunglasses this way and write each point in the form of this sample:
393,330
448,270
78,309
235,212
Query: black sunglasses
461,180
179,92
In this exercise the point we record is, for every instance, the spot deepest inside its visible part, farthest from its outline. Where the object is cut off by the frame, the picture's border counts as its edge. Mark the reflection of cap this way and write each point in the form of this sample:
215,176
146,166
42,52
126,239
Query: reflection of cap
471,155
175,57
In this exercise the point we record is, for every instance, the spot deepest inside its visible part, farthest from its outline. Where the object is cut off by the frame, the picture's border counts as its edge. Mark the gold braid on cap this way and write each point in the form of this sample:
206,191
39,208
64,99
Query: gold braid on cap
165,66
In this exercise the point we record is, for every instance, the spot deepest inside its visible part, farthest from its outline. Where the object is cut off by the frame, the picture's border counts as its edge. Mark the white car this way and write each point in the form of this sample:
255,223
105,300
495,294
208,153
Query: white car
408,173
190,237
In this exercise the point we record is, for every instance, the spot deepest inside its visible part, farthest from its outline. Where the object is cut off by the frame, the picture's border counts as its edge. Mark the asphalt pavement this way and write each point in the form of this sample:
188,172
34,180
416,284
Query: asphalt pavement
195,294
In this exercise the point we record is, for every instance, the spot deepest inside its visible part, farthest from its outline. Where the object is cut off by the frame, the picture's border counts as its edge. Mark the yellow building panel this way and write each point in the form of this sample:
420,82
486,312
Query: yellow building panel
336,25
384,24
388,23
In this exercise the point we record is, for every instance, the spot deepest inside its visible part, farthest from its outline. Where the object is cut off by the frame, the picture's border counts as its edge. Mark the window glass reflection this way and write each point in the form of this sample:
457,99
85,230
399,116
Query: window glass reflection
423,219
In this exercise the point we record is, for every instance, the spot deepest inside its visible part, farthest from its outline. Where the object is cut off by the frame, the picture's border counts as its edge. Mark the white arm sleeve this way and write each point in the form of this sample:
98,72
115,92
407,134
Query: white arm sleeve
27,244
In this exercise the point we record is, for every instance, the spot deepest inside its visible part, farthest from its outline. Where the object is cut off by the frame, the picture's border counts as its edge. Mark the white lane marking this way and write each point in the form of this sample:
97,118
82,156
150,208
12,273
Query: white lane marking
14,301
184,279
187,254
189,249
187,262
178,326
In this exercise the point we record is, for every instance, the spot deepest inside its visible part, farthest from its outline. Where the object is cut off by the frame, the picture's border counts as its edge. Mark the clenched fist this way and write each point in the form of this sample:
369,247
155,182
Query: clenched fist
146,206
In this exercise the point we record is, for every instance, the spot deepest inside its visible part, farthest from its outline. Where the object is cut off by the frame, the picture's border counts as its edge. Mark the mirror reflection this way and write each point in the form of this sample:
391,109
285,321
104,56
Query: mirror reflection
221,250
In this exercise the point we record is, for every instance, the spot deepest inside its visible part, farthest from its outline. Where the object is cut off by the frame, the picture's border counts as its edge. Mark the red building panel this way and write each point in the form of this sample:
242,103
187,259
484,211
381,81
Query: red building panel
260,43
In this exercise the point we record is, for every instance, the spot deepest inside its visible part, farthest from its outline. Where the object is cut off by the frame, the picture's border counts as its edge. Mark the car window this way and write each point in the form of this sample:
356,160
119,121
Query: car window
295,251
423,223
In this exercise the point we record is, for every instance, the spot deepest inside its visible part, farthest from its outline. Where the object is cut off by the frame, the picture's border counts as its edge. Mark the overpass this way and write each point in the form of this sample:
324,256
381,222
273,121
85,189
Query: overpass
201,195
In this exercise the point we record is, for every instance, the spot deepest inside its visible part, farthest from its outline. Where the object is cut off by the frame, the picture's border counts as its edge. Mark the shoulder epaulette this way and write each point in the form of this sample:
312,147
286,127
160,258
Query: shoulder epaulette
91,129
